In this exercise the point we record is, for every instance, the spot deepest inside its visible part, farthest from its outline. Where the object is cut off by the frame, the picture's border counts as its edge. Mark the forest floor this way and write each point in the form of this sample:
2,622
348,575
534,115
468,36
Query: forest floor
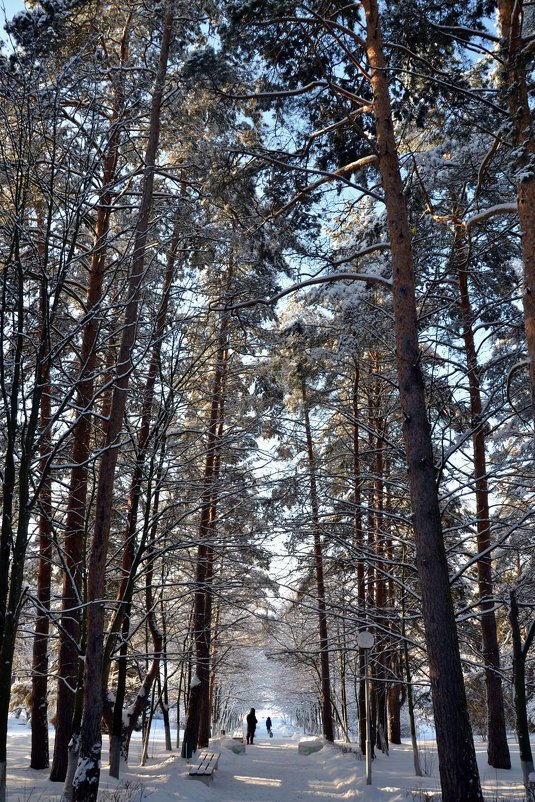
270,771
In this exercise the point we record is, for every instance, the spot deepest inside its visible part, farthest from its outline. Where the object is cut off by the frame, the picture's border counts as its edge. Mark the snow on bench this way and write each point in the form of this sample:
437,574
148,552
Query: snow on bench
235,745
309,745
204,766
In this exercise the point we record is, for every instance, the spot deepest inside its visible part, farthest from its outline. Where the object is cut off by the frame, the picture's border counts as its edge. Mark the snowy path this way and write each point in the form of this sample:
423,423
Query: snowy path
269,771
273,771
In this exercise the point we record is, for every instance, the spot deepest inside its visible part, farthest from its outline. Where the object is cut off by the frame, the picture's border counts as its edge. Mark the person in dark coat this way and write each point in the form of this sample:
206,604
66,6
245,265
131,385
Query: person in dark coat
251,725
268,725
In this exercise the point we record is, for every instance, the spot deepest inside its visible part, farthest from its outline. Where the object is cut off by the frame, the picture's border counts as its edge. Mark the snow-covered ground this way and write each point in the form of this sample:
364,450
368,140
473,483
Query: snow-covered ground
270,771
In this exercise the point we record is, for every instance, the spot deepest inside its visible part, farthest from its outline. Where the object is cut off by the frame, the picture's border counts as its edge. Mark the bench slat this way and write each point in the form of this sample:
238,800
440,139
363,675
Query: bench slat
205,765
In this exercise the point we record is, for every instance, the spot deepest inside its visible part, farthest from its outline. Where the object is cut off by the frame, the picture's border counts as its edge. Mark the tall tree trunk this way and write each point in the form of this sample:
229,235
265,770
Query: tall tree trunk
16,479
497,748
213,705
147,728
139,706
197,727
39,704
520,651
205,717
396,690
381,645
185,672
459,774
12,548
396,699
122,726
39,742
326,708
344,720
515,79
39,746
359,548
74,539
130,562
74,743
205,709
198,714
410,698
370,584
163,692
87,778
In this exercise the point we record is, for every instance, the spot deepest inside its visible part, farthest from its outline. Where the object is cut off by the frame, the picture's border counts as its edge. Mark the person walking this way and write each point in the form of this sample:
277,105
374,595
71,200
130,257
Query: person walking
268,727
251,725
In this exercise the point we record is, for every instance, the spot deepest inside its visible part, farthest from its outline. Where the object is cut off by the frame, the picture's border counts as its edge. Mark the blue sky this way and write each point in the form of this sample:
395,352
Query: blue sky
11,7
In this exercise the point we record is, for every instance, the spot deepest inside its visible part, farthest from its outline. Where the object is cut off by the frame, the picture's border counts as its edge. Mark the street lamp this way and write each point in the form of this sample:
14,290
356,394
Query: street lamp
365,641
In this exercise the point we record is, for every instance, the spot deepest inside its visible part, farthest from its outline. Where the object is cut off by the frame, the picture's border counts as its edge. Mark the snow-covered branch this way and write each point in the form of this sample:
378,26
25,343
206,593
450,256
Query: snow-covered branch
311,282
492,211
496,544
347,168
277,93
465,33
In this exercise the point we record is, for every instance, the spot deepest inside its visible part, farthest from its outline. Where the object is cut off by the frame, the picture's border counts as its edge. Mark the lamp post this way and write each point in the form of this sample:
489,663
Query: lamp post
365,641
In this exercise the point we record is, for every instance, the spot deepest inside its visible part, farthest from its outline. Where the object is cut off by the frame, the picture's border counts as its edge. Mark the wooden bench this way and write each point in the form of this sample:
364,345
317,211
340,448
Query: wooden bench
204,766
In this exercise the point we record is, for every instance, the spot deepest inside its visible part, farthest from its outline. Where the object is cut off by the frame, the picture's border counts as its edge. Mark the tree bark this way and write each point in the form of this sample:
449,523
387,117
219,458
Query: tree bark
396,692
410,701
197,727
359,547
19,452
515,79
87,776
130,563
205,713
497,748
39,741
326,707
457,761
121,739
343,655
396,700
163,692
74,540
214,705
381,643
520,651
